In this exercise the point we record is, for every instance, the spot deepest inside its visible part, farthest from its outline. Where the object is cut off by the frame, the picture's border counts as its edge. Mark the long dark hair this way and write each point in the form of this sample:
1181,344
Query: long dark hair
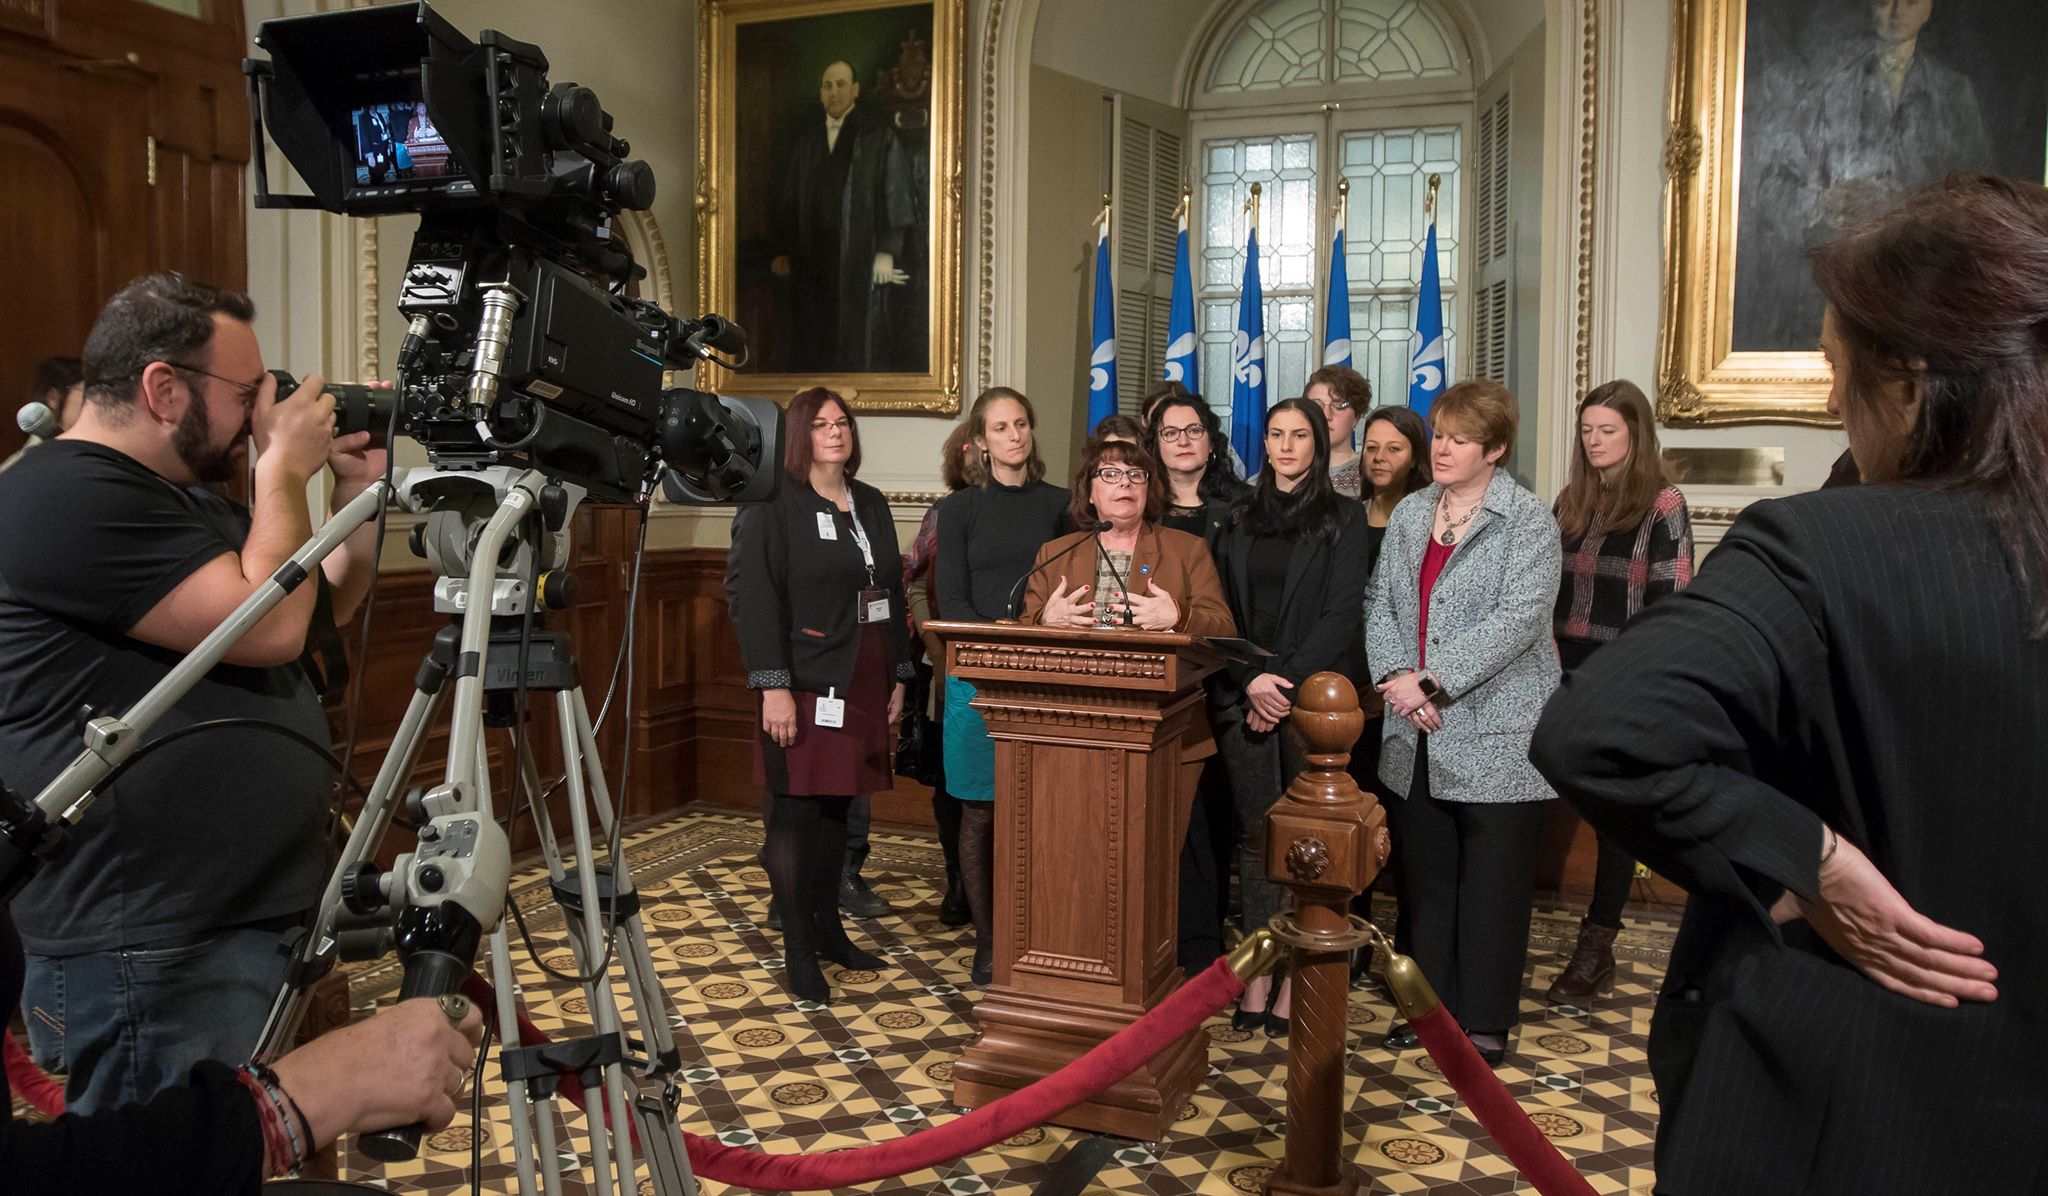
1949,291
1314,508
1409,425
1642,478
1220,482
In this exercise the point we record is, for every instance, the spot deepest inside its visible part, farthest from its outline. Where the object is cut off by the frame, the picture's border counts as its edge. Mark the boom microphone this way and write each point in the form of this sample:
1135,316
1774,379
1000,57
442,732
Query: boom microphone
37,419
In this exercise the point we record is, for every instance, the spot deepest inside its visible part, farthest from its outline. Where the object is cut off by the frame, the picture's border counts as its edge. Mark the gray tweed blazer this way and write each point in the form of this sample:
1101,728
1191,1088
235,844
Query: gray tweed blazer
1489,641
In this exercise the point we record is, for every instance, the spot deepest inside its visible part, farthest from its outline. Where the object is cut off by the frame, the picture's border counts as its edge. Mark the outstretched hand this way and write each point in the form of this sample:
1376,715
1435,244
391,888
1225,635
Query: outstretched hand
1872,926
1155,609
1066,609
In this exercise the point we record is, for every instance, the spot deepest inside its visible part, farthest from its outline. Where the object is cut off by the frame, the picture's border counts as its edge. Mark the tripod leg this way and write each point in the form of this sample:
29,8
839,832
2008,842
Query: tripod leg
282,1025
519,1099
603,1007
650,999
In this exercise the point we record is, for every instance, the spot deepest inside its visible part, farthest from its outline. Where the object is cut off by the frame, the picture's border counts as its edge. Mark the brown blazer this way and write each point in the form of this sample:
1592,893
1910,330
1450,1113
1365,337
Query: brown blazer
1178,562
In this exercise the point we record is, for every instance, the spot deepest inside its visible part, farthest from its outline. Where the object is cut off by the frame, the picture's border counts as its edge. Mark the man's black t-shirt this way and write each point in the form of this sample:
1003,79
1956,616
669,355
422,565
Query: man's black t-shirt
219,829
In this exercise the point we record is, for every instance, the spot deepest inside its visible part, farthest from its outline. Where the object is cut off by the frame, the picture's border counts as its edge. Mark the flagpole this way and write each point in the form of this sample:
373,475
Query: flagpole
1103,216
1429,202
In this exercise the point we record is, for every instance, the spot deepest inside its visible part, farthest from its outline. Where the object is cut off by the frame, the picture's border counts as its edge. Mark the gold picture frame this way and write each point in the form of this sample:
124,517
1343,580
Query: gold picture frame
758,61
1701,380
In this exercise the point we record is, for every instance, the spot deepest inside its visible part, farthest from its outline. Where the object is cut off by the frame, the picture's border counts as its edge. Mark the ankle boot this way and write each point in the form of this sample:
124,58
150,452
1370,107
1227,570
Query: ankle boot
800,957
1590,971
855,897
833,944
953,909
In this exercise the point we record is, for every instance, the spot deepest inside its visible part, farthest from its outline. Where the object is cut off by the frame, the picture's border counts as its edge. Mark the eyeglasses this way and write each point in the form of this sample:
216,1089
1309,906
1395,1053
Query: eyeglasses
1113,475
1334,404
1191,434
247,389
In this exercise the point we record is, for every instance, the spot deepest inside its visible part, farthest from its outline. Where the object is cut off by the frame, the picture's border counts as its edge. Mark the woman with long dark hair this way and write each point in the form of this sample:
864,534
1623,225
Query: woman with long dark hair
989,535
814,585
1292,563
1832,740
1185,436
1627,542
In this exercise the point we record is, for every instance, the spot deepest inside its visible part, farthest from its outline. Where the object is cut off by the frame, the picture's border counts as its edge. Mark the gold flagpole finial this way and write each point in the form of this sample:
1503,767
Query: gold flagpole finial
1429,204
1185,205
1252,205
1101,217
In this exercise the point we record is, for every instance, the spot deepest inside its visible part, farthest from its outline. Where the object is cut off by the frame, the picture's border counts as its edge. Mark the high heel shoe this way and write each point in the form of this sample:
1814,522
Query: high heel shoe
1283,998
1276,1026
1493,1054
1401,1038
1259,992
1247,1019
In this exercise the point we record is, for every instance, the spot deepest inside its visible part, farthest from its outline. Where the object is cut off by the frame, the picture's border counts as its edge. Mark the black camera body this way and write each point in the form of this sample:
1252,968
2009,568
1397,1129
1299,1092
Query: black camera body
525,347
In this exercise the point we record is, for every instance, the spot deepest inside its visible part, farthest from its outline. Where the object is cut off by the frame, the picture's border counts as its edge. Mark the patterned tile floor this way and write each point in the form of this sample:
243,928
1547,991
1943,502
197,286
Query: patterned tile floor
877,1063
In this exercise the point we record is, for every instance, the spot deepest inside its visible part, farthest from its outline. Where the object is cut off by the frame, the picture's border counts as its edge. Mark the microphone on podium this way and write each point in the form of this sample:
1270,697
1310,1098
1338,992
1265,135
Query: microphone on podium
37,419
1010,607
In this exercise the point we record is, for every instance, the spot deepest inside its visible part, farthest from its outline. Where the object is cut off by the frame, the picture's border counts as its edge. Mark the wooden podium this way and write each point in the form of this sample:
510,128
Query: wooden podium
1090,728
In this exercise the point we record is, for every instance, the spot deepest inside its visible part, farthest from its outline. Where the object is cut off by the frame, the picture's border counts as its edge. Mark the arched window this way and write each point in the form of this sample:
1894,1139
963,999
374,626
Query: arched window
1298,95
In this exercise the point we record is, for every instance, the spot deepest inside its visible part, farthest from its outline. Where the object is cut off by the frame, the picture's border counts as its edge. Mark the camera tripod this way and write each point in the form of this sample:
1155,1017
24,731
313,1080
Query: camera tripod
496,538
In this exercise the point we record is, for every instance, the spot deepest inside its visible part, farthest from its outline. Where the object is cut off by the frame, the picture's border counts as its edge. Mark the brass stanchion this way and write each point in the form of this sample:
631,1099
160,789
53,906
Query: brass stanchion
1325,841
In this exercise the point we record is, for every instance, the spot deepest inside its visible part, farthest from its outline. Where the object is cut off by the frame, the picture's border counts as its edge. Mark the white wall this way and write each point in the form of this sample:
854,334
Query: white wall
1132,46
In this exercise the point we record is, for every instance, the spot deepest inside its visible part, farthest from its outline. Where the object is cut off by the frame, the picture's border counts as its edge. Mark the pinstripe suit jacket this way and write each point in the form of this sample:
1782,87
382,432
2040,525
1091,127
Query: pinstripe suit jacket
1489,641
1858,656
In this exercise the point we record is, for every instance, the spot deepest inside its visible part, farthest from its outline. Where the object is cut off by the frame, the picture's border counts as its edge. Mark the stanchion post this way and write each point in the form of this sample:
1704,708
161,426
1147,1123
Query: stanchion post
1325,841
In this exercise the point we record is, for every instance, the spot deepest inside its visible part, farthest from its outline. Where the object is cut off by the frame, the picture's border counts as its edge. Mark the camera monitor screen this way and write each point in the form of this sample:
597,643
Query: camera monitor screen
395,142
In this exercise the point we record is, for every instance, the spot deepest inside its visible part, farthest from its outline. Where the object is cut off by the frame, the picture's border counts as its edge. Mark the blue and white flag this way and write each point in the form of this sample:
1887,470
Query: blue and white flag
1102,362
1180,316
1248,366
1337,306
1428,371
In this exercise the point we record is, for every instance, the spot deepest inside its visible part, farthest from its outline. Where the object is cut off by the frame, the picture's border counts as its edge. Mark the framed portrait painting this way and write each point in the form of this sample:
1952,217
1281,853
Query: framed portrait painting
828,198
1792,123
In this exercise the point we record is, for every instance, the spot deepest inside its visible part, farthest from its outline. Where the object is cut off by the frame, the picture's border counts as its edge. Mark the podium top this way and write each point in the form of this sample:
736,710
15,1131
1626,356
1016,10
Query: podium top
1120,657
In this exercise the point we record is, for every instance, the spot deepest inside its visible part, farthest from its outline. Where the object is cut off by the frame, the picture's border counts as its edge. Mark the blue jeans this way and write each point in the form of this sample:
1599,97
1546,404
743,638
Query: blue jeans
129,1023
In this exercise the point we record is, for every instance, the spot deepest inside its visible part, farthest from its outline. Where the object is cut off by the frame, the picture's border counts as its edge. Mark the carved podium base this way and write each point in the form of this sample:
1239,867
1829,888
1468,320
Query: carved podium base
1091,729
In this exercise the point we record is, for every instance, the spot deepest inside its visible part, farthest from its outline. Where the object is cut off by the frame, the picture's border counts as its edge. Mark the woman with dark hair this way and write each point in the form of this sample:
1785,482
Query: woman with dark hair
1459,633
1292,563
814,585
1627,542
989,535
1395,465
1345,396
959,467
1186,438
1832,740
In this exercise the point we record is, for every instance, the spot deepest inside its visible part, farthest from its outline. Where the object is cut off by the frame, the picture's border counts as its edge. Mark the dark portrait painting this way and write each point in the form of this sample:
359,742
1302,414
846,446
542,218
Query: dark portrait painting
1847,105
832,164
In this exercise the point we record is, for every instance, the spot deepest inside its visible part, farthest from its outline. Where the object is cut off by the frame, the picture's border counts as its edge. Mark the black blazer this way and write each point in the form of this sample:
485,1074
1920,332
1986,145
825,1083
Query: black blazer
1322,608
1857,656
792,593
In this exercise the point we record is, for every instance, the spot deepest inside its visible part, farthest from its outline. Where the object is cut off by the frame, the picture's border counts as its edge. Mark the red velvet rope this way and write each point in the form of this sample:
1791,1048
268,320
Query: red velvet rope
1108,1062
43,1094
1534,1155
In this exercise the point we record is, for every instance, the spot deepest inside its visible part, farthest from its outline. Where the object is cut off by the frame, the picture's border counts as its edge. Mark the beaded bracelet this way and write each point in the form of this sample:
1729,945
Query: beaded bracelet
280,1149
262,1071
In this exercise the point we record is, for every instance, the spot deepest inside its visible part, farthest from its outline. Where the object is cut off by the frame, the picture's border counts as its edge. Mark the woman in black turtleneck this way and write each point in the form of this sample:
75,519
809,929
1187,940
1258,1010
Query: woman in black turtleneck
989,536
1292,561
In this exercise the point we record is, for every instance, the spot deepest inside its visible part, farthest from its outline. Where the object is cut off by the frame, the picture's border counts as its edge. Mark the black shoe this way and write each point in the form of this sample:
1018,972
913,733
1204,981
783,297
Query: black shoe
983,971
1276,1026
1401,1038
1493,1055
774,918
1247,1019
953,909
856,898
846,955
805,978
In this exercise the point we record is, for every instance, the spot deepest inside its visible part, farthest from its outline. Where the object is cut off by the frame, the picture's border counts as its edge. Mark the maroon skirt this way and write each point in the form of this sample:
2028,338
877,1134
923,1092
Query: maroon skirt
836,761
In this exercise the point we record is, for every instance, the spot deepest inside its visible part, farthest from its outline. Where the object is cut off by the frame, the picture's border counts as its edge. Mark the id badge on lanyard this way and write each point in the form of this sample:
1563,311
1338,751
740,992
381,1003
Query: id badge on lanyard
872,606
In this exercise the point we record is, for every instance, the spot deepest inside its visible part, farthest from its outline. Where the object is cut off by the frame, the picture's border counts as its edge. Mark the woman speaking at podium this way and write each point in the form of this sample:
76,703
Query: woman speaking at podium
815,587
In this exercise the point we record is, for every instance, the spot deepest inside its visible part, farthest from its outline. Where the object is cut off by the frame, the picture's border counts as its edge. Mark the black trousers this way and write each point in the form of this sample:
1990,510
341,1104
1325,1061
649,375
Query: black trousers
1613,866
1467,873
1205,855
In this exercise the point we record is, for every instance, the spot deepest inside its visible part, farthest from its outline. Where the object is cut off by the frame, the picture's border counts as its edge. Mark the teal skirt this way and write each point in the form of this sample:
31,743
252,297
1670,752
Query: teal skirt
970,753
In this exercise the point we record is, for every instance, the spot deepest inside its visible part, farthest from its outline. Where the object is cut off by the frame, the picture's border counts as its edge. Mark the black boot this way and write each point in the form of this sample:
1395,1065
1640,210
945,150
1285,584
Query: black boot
1589,973
856,898
800,957
829,850
977,875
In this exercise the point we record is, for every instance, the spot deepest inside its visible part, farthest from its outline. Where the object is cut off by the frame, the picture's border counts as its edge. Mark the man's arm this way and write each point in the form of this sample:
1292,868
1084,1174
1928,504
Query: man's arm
352,566
293,437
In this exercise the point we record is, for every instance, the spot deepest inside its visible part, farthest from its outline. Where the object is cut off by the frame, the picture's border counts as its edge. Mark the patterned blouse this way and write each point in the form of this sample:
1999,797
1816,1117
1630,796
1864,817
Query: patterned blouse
1609,578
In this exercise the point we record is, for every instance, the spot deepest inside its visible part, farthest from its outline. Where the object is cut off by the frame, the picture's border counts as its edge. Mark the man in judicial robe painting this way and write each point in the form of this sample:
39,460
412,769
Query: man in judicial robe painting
845,214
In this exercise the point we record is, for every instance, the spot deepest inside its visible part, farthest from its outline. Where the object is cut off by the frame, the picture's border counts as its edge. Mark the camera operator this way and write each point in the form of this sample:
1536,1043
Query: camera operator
152,937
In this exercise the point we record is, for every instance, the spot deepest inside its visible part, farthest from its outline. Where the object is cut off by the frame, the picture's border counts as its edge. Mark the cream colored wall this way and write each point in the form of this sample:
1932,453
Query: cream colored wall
1132,46
1068,175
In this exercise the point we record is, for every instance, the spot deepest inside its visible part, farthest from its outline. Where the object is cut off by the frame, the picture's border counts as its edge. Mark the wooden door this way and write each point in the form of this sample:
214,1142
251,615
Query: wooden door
74,152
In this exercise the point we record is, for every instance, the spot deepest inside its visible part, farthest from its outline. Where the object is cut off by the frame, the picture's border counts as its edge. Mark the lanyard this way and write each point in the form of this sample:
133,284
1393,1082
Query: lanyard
860,537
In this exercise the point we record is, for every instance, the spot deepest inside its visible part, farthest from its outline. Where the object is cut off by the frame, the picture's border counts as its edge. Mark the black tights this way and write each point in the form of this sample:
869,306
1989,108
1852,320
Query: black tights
805,849
977,869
